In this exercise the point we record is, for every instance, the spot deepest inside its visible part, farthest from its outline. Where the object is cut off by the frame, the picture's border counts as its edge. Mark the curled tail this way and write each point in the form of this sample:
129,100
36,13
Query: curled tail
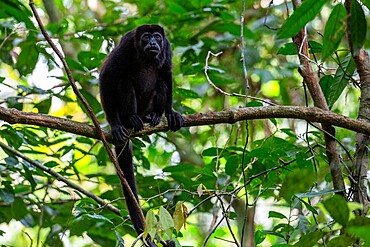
124,156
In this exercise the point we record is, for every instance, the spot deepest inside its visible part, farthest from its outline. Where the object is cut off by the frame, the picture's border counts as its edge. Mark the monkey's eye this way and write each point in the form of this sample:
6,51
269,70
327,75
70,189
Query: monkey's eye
145,37
157,36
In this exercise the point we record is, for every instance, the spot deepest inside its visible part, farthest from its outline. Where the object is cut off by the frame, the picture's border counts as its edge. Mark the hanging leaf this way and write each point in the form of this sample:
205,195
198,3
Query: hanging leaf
334,30
165,219
151,224
358,26
334,87
179,216
300,17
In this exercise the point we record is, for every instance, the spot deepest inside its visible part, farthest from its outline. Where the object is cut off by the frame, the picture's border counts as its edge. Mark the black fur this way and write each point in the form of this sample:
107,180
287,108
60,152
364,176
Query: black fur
136,87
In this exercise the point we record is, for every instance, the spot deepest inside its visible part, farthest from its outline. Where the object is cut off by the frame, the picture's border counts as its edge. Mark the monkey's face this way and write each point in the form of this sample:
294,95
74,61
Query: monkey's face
151,43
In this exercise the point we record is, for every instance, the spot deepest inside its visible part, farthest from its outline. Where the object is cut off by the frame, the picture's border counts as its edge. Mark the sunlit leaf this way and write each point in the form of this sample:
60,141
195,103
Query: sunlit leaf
165,219
179,216
151,224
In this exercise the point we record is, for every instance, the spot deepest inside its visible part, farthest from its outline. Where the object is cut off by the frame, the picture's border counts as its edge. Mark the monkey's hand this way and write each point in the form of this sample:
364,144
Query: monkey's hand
175,120
136,123
154,119
119,134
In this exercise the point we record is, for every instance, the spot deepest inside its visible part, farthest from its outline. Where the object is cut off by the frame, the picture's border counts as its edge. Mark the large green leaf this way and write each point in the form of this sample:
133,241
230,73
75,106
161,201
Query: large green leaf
358,26
300,17
333,87
334,30
338,209
27,59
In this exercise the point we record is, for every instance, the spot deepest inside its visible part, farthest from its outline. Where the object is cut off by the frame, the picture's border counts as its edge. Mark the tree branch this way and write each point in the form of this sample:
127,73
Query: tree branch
301,43
311,114
361,163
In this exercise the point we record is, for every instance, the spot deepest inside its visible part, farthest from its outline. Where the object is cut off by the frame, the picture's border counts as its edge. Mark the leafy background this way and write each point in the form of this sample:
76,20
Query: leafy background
287,185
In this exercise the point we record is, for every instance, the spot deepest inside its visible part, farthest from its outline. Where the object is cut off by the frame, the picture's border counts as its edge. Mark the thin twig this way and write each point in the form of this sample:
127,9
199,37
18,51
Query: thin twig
267,13
206,68
227,219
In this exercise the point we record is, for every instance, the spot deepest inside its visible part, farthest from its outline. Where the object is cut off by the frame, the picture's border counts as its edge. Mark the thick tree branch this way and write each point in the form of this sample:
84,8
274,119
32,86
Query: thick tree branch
311,114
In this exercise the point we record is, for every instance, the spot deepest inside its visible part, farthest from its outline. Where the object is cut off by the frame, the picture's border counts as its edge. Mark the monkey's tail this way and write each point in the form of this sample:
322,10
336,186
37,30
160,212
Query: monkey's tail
124,154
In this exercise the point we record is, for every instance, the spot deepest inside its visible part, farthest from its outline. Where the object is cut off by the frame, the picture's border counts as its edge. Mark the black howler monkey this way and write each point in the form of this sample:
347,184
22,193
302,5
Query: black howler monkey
136,88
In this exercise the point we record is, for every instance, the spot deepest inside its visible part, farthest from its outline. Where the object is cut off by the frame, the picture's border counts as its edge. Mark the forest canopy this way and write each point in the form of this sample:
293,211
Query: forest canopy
275,147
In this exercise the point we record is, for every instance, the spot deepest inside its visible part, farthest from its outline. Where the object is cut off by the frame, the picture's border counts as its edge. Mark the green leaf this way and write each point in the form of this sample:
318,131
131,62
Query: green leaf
259,236
93,102
333,87
293,183
232,164
165,219
27,59
310,239
342,240
151,224
300,17
211,152
6,196
289,48
338,209
308,206
29,177
303,224
44,106
186,93
90,60
358,26
15,9
99,218
273,214
334,30
175,8
121,242
361,232
325,83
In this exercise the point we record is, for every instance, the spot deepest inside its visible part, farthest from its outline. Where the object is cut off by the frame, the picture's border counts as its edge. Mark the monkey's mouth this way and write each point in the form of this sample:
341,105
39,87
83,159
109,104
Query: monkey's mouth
152,50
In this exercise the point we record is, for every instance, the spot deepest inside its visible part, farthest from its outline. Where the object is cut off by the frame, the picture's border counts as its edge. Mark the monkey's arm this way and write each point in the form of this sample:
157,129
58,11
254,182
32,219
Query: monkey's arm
175,120
109,98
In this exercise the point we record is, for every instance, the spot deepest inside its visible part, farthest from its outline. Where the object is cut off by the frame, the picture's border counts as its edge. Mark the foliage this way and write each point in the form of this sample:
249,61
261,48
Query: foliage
194,176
